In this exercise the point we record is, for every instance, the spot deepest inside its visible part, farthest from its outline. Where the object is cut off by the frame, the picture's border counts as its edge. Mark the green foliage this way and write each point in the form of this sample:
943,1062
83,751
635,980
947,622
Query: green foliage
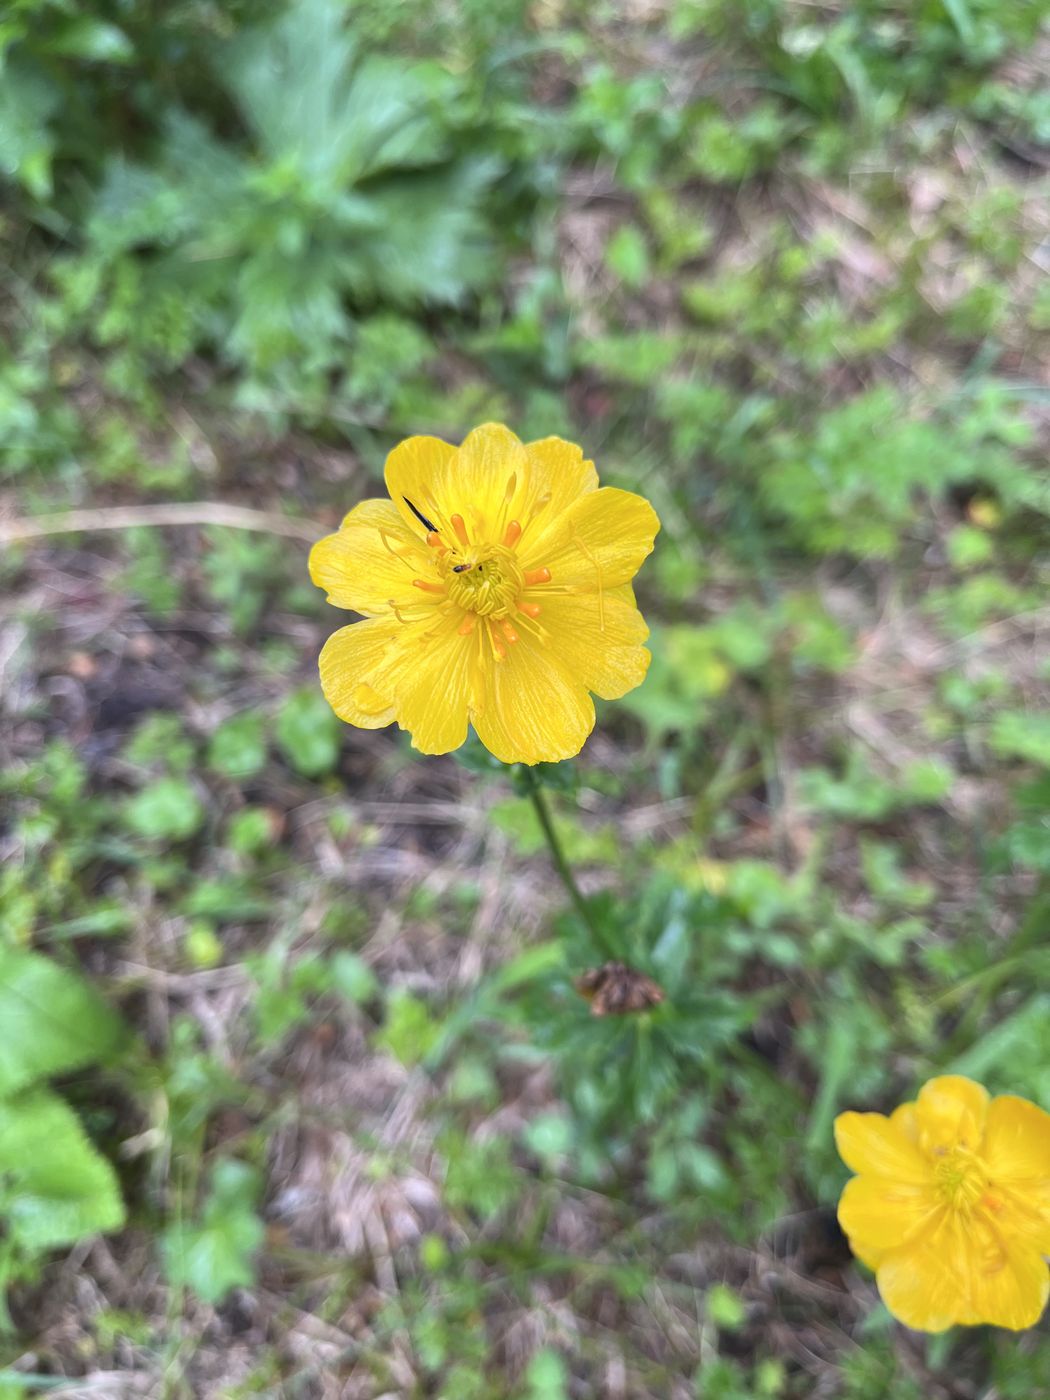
165,810
55,1187
308,734
238,747
346,191
776,266
53,1021
215,1252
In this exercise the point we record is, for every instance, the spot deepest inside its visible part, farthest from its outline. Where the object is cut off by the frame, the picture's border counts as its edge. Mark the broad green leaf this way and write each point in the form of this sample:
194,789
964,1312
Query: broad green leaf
27,101
216,1253
51,1020
55,1187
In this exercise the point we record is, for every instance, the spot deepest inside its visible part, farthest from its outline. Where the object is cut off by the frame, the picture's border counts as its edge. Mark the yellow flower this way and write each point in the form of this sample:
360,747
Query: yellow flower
951,1207
496,589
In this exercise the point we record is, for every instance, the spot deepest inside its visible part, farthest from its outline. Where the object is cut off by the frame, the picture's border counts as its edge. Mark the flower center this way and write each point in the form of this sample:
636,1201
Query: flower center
961,1177
487,581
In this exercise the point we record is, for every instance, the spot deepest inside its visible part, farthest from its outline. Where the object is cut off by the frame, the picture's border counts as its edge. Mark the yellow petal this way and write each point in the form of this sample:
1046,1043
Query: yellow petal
358,570
1017,1140
1008,1280
964,1271
416,471
598,640
349,660
1016,1153
430,680
491,467
528,709
923,1285
950,1112
486,481
599,542
904,1118
872,1144
879,1214
558,474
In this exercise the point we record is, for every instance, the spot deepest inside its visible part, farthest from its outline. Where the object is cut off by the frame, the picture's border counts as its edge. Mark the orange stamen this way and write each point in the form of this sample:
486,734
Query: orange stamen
434,540
537,576
512,534
509,632
459,525
467,625
529,609
427,587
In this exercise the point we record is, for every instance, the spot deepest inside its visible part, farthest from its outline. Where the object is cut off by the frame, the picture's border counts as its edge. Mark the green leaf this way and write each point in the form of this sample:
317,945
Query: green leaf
83,37
409,1032
55,1188
1020,734
108,919
216,1253
352,977
27,101
167,810
52,1020
224,901
627,254
547,1376
308,733
238,747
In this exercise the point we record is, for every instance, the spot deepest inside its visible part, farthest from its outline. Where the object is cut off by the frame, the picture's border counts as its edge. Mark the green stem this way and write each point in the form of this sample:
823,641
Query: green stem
561,864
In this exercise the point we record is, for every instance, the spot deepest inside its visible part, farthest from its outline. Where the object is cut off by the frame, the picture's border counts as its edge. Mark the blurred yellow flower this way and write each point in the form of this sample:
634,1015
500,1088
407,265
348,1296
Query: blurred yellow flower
496,589
951,1205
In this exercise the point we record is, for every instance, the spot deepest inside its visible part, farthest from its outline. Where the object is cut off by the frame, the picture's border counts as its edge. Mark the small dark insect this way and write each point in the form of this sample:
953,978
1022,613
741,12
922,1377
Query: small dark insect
459,568
614,989
420,516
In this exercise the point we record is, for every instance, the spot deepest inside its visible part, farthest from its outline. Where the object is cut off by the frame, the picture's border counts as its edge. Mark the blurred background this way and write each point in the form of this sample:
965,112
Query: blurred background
287,1011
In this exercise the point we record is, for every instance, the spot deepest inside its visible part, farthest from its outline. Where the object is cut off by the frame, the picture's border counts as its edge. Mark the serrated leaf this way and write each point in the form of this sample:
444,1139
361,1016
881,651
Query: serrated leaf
55,1187
317,104
52,1021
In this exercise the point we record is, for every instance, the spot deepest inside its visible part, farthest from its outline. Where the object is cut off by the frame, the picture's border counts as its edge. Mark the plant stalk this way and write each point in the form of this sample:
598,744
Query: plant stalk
562,866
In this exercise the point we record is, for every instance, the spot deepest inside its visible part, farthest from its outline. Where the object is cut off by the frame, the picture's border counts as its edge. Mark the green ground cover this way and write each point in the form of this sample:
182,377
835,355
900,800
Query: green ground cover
287,1010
